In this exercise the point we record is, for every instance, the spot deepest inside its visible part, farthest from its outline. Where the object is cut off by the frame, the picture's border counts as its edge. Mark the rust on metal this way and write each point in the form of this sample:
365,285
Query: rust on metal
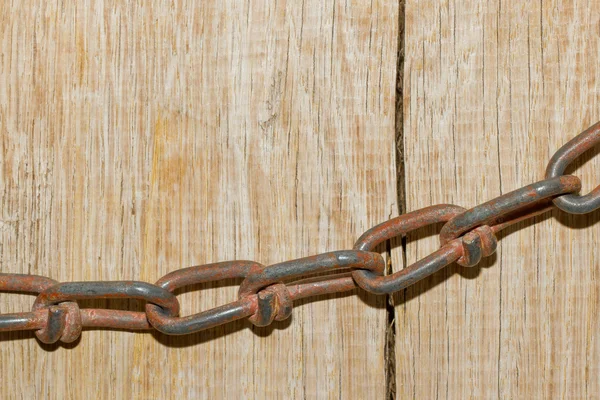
400,226
174,325
64,317
318,287
412,274
480,242
574,203
267,293
364,260
22,283
23,321
406,223
114,319
62,292
508,203
33,284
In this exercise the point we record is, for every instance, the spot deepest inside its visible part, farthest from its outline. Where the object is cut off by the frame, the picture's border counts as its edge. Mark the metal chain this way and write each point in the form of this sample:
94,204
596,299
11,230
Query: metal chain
267,293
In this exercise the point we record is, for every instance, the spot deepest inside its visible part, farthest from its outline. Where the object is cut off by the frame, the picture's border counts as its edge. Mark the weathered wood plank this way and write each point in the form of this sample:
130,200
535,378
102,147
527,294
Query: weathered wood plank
139,138
491,91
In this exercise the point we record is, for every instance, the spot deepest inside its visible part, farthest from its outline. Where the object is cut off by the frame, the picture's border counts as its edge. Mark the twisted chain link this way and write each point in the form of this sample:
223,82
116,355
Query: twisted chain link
267,293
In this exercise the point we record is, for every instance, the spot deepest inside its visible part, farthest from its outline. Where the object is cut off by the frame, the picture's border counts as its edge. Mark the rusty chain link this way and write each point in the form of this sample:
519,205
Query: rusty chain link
267,293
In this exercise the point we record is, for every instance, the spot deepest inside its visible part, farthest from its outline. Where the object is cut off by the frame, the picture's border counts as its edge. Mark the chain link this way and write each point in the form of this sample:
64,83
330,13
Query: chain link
267,293
575,204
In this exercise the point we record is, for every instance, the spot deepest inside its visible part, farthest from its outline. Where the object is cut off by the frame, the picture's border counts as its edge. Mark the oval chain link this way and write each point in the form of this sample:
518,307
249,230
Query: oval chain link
574,203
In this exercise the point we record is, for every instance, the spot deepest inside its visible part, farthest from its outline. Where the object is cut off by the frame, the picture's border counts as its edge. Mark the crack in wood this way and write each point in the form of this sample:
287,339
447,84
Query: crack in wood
390,334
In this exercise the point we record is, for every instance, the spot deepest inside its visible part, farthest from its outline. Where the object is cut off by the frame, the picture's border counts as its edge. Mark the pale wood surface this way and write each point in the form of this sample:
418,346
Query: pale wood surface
139,138
491,90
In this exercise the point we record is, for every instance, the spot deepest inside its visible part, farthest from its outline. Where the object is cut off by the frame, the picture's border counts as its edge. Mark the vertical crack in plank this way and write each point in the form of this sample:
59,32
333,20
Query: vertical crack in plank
390,336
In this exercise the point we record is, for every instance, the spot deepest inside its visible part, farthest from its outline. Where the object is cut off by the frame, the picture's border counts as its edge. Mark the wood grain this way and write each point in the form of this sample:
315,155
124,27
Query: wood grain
138,138
491,90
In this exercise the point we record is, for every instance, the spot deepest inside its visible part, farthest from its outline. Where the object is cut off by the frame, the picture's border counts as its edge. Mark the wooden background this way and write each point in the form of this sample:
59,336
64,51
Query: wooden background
491,90
139,138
